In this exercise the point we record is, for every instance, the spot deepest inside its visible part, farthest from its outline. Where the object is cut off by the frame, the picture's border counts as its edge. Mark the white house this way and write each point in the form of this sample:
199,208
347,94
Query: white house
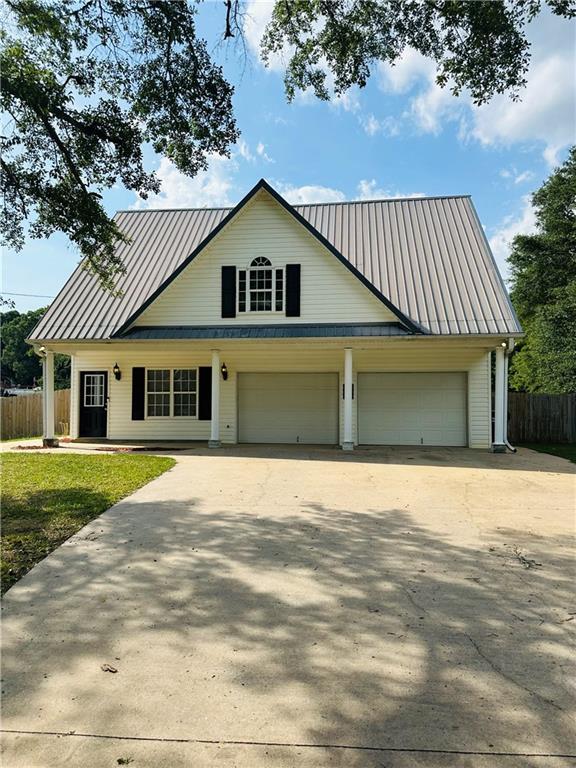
368,323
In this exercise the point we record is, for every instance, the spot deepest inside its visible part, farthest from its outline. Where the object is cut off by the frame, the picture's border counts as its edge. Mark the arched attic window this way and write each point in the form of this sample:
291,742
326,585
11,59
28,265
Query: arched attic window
260,287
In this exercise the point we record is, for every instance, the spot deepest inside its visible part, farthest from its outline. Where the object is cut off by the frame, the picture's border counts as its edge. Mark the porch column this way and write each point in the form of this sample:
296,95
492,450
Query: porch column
347,443
499,401
48,438
214,441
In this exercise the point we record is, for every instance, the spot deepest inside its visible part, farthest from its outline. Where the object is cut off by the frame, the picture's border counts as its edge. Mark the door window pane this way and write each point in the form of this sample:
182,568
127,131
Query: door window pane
94,390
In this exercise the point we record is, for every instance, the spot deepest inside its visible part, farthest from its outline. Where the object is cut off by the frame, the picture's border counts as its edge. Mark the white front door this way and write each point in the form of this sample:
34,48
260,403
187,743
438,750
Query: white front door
288,408
412,409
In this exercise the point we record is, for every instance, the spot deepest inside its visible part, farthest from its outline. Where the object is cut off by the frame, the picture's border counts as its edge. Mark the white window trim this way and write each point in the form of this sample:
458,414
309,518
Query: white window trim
102,376
171,391
274,311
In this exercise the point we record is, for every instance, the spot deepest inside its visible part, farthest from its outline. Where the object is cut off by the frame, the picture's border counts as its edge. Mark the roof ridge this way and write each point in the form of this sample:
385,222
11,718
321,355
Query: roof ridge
302,205
162,210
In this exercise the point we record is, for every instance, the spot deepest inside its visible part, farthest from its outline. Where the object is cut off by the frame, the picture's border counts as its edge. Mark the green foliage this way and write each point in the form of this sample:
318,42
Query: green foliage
84,85
480,46
544,288
87,83
47,498
18,361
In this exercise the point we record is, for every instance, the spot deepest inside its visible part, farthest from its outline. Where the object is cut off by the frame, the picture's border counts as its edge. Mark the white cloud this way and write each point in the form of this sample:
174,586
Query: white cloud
545,113
523,177
257,15
247,154
410,69
244,151
368,189
310,193
349,101
522,224
261,152
371,125
216,187
209,188
515,176
389,126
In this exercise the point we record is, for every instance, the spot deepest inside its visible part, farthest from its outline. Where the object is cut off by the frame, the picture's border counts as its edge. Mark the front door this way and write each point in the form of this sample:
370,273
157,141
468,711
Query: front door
93,403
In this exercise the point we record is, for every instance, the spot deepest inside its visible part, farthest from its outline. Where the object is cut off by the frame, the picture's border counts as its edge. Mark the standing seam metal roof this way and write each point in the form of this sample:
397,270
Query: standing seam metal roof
428,256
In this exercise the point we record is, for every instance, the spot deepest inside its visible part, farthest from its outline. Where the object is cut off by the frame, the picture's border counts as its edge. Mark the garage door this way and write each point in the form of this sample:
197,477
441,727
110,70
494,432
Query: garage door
288,408
412,409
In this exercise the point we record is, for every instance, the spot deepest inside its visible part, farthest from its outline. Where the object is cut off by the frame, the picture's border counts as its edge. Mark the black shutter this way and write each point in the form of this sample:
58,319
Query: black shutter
228,291
292,290
205,393
138,384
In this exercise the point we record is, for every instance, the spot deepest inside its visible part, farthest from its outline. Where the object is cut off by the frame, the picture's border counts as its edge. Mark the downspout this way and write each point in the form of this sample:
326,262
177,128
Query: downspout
508,352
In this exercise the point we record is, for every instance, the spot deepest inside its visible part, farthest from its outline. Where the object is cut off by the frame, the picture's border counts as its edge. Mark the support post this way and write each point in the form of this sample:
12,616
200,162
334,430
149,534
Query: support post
348,443
214,441
48,438
499,445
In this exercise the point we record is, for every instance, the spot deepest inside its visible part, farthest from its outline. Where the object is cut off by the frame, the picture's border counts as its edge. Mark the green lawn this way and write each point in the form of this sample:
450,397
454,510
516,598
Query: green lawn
48,497
564,450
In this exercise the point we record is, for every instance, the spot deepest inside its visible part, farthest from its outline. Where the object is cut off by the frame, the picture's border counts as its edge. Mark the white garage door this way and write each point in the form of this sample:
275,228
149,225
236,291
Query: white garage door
288,408
412,409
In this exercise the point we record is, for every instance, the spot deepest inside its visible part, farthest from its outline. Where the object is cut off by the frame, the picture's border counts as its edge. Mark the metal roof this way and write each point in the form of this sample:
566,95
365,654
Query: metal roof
428,256
320,330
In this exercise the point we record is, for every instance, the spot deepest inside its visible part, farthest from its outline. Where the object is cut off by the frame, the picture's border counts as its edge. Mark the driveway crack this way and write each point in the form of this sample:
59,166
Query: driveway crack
510,679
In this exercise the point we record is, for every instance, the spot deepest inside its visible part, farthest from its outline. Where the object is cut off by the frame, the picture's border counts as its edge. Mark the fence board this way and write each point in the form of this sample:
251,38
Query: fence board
21,416
541,418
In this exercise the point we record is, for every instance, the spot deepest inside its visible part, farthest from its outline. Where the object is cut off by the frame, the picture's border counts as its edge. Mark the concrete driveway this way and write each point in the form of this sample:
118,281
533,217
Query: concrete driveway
279,607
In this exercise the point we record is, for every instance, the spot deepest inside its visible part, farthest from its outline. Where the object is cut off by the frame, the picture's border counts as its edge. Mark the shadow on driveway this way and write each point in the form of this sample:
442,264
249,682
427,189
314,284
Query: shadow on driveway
291,621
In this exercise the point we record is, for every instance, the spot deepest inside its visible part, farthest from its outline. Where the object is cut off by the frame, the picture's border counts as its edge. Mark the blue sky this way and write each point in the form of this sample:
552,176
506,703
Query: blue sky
400,136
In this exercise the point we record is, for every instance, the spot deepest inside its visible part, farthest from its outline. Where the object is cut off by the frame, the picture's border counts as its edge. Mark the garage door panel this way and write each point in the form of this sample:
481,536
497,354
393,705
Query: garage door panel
288,408
412,408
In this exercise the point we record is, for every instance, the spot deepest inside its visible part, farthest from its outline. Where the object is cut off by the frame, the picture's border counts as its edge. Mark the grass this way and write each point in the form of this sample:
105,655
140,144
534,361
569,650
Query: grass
564,450
48,497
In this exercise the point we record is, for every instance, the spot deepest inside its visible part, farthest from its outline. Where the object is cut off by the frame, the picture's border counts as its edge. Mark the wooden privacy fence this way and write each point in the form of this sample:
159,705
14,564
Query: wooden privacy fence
541,418
21,416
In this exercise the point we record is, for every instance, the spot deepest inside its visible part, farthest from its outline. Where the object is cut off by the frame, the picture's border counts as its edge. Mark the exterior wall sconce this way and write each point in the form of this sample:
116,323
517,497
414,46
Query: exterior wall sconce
117,372
224,371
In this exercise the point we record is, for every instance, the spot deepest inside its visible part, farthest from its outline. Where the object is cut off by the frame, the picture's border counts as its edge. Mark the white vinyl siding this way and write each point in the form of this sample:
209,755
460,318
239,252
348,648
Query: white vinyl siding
330,293
244,357
412,409
288,408
480,402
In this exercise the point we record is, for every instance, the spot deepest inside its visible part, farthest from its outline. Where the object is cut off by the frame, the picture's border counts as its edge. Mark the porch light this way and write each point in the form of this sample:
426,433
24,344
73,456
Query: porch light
117,372
224,371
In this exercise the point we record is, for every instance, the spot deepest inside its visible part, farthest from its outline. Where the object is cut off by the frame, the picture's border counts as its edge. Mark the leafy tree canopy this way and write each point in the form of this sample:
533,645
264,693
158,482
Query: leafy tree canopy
87,82
544,288
19,363
480,45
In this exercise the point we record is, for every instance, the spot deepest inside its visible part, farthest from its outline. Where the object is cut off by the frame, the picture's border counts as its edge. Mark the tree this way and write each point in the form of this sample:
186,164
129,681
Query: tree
544,288
480,46
87,82
19,363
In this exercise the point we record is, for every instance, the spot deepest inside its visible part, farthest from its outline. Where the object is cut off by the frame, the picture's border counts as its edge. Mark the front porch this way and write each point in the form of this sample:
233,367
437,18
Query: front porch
342,393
